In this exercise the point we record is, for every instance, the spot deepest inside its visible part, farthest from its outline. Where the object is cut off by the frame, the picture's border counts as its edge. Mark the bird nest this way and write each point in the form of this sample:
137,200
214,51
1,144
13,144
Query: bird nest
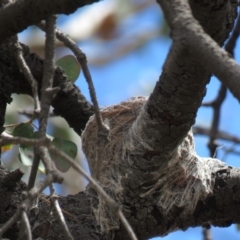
182,182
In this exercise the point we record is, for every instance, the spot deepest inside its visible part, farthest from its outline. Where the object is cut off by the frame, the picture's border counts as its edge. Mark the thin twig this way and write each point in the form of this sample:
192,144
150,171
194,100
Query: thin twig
29,197
217,103
113,205
5,140
50,178
220,134
25,227
216,106
231,150
27,73
41,185
52,190
81,57
46,98
232,41
61,218
32,81
126,224
46,159
80,170
47,81
29,113
103,130
17,124
207,233
33,173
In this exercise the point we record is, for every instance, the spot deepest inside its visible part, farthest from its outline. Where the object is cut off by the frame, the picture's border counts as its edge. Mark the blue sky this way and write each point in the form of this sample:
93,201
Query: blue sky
136,74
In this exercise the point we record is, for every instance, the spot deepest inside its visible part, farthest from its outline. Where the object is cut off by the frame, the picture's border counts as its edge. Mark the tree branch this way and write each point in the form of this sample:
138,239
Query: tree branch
150,165
13,17
69,102
187,34
151,158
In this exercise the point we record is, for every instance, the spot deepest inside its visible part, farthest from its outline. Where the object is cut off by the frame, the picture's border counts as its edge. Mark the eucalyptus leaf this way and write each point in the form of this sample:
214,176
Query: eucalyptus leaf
27,161
23,130
71,67
68,147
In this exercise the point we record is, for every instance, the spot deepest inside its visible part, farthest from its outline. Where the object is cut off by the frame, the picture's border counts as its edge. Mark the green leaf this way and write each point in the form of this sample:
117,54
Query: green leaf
27,161
23,130
35,135
68,147
70,66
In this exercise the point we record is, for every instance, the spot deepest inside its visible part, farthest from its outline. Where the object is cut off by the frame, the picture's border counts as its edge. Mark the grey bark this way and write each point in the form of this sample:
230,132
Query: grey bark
146,137
13,17
69,97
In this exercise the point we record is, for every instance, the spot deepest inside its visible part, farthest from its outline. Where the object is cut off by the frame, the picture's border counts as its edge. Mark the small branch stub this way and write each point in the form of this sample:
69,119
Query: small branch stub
12,178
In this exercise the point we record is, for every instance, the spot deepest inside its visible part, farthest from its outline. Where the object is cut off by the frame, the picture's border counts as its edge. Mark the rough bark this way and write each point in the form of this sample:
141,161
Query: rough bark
149,165
16,17
68,98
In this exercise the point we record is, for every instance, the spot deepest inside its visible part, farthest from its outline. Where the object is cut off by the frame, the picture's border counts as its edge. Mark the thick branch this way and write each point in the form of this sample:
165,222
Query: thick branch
161,185
220,209
19,15
191,38
68,102
173,105
150,165
77,211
